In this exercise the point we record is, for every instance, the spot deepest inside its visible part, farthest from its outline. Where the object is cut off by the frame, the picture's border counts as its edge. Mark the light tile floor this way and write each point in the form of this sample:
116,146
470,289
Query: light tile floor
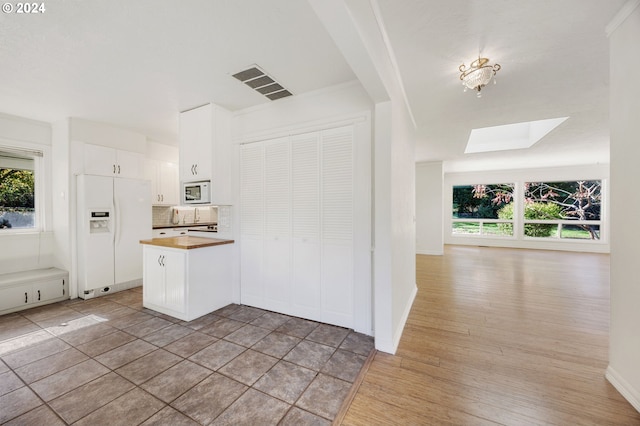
110,361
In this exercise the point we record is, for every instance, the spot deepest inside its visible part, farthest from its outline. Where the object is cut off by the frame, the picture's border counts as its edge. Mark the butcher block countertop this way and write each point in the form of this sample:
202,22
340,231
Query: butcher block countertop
186,242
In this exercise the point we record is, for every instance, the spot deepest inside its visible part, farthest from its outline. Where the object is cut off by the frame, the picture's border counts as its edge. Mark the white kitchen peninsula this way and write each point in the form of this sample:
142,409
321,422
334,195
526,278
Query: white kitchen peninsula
187,277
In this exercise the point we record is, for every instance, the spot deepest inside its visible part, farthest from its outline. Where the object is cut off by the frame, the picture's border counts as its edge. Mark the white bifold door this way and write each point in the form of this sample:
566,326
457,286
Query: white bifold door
297,226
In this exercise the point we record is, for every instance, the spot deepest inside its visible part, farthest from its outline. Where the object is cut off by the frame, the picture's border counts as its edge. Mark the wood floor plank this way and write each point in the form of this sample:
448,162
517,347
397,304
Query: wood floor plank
499,336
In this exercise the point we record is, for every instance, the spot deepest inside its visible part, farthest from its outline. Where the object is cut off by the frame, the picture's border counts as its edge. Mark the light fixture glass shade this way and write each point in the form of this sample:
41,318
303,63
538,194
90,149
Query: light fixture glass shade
478,75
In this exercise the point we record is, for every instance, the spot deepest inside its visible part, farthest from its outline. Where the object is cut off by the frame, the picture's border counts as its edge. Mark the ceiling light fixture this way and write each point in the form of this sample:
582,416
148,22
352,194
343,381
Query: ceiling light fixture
478,74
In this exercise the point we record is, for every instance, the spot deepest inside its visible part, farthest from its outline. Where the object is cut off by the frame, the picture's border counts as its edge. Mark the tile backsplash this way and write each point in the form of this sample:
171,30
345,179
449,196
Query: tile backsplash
180,215
161,215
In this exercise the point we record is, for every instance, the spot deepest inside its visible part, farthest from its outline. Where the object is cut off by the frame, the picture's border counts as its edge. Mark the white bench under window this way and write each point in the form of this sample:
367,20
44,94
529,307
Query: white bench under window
27,289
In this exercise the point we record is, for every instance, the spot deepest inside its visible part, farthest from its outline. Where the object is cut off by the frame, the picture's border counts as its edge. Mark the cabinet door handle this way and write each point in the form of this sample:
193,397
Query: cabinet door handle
196,169
118,168
114,169
161,197
26,297
163,260
159,263
63,290
192,171
38,294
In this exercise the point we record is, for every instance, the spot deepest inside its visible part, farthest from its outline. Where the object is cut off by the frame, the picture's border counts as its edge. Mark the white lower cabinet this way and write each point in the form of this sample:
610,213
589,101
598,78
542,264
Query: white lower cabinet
32,288
164,279
14,297
187,284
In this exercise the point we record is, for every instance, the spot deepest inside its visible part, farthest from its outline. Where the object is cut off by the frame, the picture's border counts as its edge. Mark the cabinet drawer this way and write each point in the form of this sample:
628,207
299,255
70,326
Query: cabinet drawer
15,296
49,290
168,232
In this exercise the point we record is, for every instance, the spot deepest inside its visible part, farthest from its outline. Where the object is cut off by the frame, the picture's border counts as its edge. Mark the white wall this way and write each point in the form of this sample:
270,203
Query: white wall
429,196
624,338
30,250
107,135
162,152
60,194
301,113
358,30
394,210
587,172
24,131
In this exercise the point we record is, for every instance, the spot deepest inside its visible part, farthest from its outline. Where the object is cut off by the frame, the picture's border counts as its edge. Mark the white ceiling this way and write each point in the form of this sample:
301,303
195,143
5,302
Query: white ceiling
555,63
136,63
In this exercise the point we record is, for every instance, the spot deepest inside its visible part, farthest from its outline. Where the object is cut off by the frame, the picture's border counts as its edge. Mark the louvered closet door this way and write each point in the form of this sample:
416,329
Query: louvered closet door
305,200
277,209
337,197
251,223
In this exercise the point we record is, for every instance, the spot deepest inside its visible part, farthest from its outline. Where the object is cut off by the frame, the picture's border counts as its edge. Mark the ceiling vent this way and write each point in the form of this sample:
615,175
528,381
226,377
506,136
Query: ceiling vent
262,83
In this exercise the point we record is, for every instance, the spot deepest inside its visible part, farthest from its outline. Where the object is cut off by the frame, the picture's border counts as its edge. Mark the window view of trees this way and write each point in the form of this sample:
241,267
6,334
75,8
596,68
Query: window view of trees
17,195
574,200
482,203
569,209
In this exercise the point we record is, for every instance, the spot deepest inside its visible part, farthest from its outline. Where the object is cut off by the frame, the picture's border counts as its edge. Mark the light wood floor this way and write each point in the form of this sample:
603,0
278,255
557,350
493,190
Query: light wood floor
499,336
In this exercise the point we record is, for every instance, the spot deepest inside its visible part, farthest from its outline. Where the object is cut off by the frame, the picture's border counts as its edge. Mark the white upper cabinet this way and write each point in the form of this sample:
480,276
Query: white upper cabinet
164,182
206,151
105,161
195,144
168,183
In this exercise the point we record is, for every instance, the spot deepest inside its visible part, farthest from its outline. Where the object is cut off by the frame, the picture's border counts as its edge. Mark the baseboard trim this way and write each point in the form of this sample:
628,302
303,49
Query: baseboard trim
626,390
405,316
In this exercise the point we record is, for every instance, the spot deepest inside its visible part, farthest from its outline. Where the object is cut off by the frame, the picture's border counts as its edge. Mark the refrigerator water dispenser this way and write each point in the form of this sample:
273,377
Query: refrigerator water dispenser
99,222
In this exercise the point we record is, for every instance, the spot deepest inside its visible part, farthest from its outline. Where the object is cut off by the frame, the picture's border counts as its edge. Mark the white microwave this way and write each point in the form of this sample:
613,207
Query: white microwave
196,192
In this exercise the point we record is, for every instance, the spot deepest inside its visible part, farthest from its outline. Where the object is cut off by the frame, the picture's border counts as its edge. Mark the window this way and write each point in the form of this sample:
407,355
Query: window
566,210
17,189
563,210
476,209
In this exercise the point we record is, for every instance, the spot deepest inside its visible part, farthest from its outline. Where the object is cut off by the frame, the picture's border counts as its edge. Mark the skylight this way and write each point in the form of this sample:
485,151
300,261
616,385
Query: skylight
510,136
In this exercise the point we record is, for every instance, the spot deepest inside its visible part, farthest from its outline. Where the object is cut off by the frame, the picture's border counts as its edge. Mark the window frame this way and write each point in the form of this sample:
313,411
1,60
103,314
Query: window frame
482,221
561,222
37,154
519,221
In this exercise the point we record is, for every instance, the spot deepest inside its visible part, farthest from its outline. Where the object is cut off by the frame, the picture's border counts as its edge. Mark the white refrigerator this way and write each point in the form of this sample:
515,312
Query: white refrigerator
113,215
